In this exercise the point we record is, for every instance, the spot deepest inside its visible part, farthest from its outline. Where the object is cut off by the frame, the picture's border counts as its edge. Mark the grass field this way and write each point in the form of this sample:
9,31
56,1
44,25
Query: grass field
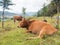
11,35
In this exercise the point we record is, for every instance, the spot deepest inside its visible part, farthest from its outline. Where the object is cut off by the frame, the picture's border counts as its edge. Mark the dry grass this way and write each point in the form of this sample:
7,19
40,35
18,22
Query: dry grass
11,35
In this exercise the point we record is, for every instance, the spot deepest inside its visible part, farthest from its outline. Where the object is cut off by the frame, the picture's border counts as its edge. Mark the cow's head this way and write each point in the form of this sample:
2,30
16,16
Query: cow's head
24,23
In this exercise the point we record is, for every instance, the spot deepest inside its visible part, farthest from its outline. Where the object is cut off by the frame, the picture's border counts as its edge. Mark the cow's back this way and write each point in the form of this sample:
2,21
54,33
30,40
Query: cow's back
36,26
49,29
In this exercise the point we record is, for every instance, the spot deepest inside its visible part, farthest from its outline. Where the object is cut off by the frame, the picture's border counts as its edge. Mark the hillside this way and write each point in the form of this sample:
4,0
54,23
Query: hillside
11,35
6,13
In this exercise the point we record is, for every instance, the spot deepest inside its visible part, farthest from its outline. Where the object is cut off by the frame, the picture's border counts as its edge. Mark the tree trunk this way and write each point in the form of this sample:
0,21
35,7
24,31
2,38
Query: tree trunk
3,18
58,17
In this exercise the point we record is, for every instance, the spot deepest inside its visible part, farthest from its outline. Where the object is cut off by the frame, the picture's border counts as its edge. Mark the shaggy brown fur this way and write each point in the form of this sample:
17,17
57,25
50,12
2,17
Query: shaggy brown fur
37,27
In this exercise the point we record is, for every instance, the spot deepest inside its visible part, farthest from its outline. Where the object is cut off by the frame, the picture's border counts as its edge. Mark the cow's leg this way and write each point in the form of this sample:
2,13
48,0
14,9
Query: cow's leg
28,31
42,32
14,21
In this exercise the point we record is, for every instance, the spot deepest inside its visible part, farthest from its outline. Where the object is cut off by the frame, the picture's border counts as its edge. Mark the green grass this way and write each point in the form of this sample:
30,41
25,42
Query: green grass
11,35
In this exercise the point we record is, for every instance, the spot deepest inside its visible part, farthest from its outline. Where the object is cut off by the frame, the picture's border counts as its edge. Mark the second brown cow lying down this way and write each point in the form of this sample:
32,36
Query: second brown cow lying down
37,27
